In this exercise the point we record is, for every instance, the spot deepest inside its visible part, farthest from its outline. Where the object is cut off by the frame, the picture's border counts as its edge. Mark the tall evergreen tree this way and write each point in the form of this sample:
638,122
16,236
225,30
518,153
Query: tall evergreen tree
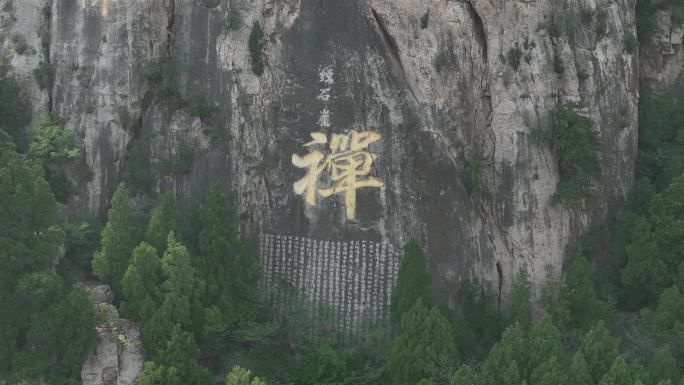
544,343
512,348
550,372
424,344
166,217
600,350
579,371
413,283
181,296
519,302
229,262
28,212
618,374
141,283
119,237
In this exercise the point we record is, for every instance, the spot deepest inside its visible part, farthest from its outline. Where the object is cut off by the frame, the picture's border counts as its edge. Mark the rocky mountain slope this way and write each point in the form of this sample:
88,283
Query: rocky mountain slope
406,90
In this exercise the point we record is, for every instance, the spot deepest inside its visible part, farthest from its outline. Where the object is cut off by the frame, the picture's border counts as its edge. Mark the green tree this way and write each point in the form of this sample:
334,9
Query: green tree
66,331
583,302
181,299
154,374
578,150
511,349
413,283
241,376
256,46
424,344
600,350
550,372
544,344
14,113
579,371
181,352
473,170
229,262
511,376
554,301
518,304
669,313
324,365
52,146
465,375
119,237
166,216
28,211
618,374
141,283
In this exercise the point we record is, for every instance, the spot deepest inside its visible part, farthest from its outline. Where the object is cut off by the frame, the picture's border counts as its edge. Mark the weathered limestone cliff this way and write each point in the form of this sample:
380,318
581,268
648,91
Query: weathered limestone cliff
432,80
119,356
416,85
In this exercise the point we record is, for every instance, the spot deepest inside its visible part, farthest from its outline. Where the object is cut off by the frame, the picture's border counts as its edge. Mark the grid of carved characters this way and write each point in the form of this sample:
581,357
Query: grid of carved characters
354,278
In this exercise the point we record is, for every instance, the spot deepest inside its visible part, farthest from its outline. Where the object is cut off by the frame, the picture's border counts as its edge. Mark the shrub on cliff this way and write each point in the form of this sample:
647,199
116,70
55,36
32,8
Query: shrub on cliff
256,45
577,147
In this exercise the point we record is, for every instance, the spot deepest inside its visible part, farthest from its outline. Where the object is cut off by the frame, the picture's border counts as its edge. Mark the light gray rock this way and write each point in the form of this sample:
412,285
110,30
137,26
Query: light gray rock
119,356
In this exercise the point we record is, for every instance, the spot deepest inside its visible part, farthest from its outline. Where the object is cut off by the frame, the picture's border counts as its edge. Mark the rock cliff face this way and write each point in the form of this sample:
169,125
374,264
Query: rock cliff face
118,358
391,96
420,83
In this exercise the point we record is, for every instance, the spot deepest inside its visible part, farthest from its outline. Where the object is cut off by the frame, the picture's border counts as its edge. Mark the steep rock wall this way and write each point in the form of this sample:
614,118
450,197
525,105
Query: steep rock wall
428,94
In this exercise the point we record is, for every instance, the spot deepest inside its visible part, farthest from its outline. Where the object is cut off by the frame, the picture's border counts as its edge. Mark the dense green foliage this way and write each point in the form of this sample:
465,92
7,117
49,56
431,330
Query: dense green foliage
645,15
13,110
46,324
256,46
231,19
473,172
119,238
424,348
413,283
577,146
51,145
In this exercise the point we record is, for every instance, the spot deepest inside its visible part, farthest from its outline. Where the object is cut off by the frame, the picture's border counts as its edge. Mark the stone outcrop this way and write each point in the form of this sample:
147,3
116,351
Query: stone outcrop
118,357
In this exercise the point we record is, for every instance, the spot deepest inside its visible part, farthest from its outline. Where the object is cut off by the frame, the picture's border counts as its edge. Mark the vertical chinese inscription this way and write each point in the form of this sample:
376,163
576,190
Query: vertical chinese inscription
354,278
337,163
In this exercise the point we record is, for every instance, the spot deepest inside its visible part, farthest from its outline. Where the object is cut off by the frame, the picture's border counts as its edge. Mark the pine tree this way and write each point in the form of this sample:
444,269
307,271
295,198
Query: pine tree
583,301
141,283
544,344
511,348
618,374
229,263
425,342
599,349
550,372
28,211
119,237
166,217
579,371
519,304
180,297
413,283
511,376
